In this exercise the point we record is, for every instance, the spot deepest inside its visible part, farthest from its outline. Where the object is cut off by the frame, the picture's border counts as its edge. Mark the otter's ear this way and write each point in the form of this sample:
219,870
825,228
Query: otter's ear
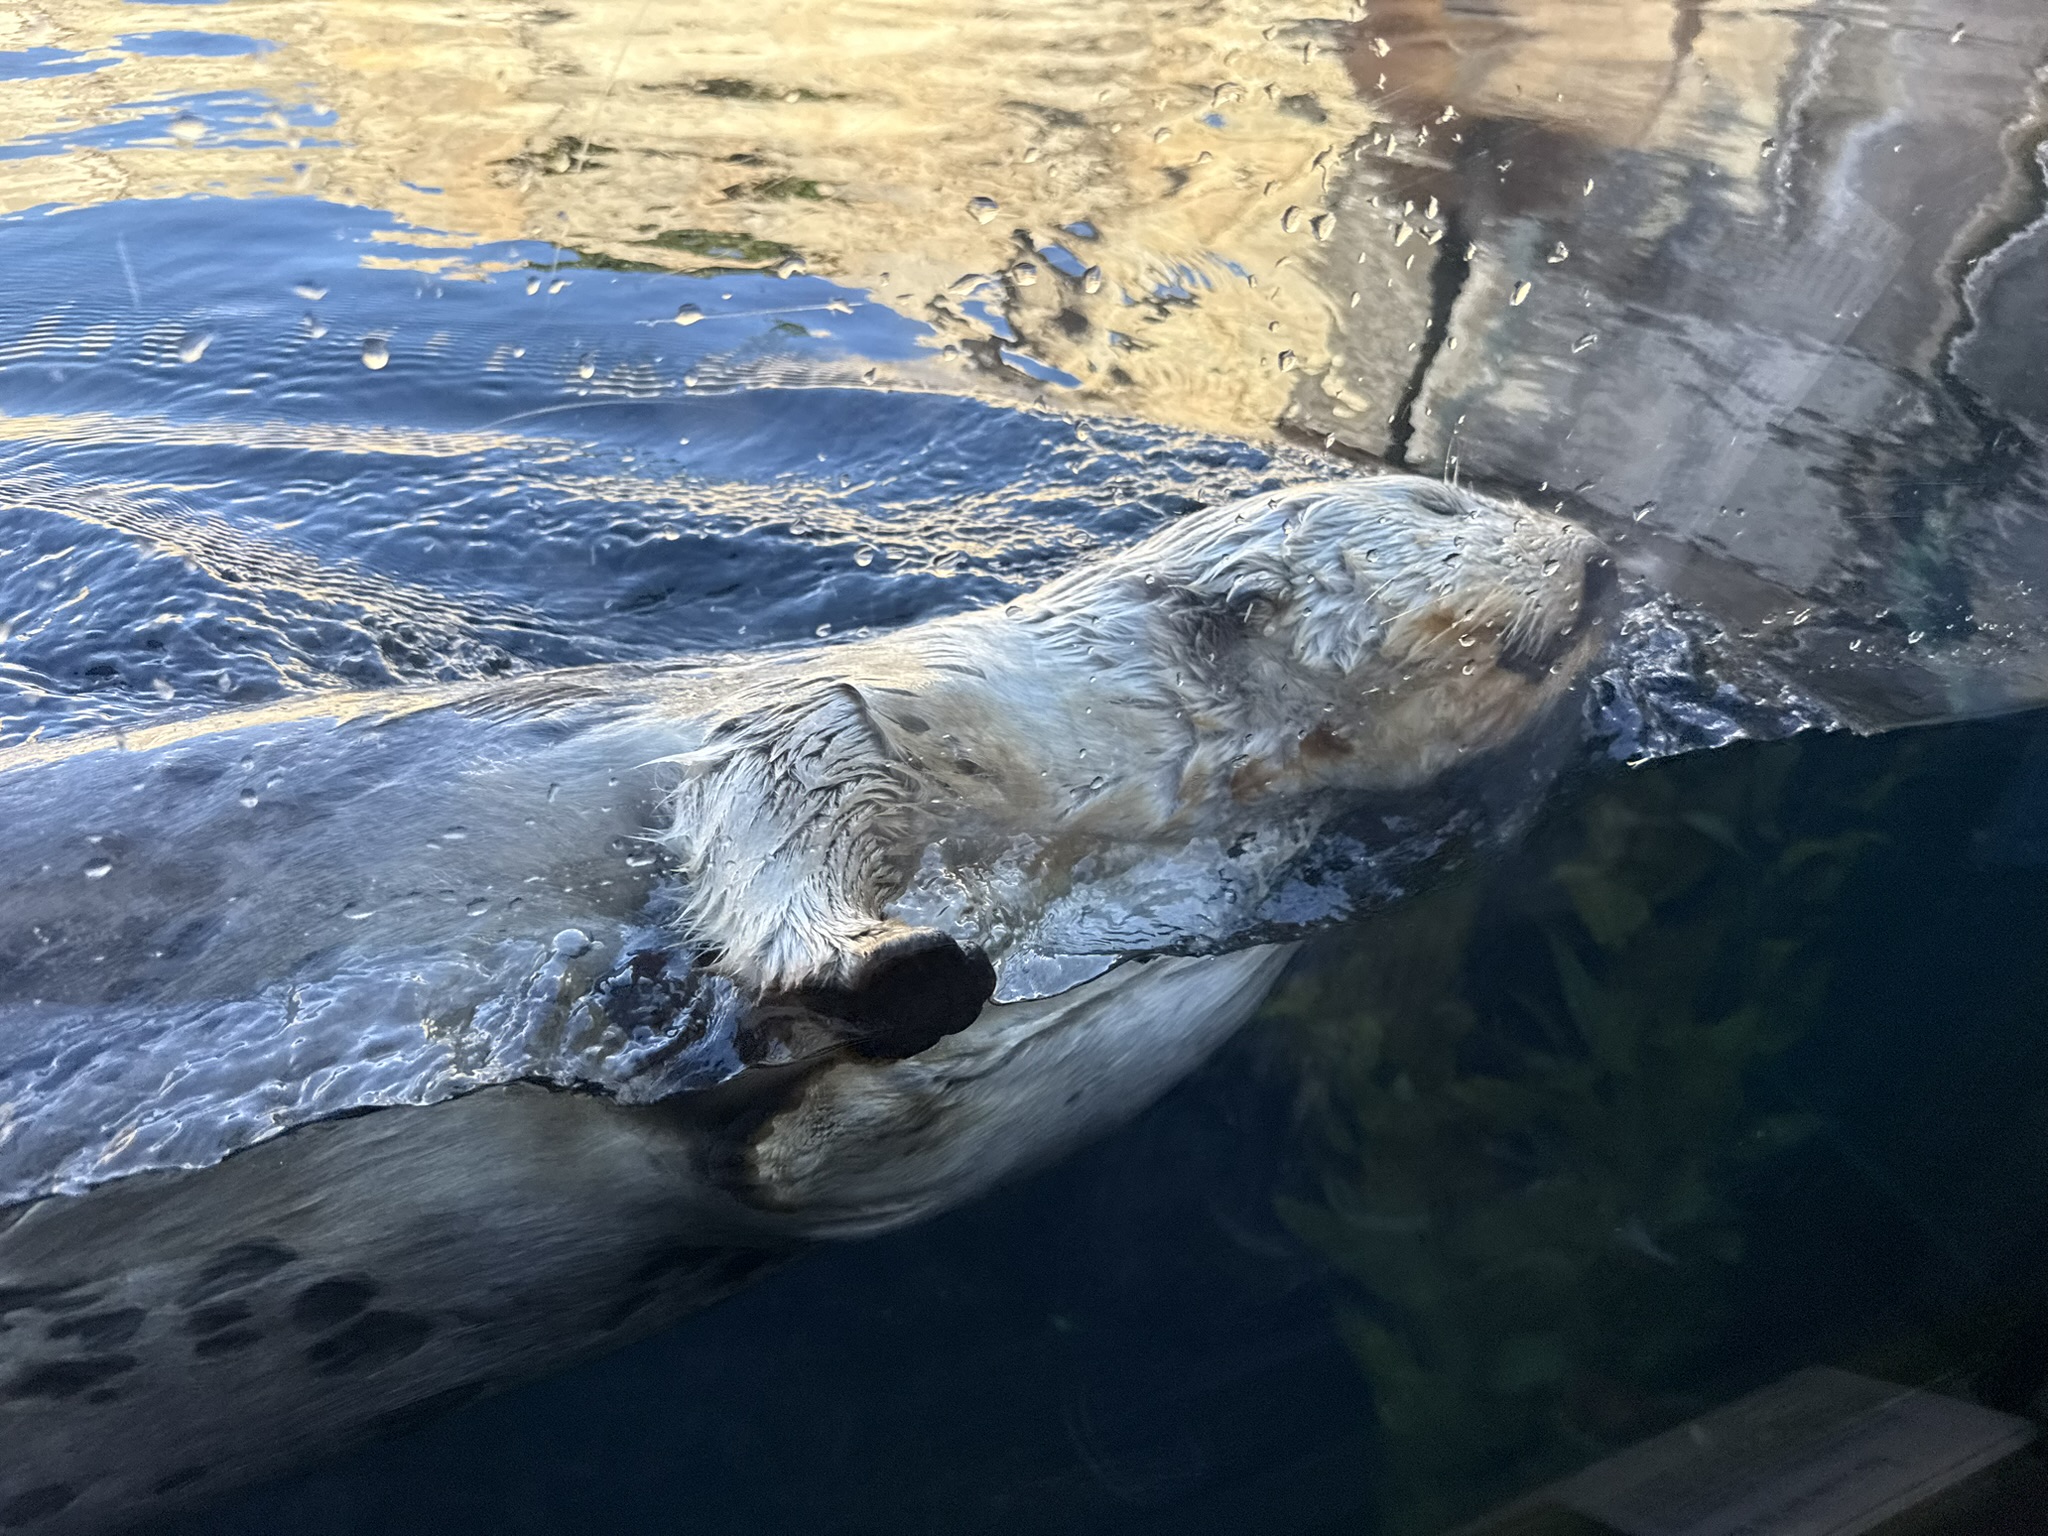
782,825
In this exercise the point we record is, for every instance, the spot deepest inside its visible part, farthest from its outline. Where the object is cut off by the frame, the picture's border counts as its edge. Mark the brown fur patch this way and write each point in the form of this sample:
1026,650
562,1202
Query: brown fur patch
1323,745
1252,778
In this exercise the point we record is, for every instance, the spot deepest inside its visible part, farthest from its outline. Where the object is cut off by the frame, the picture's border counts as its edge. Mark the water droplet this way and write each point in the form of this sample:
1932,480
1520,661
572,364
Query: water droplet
1381,47
1521,292
789,266
1558,252
314,328
1913,637
1645,510
1097,782
1024,274
822,631
194,347
1959,34
983,208
355,911
1469,668
1322,225
586,367
1587,189
689,314
376,352
1091,280
478,906
532,286
1286,362
99,869
1290,220
558,285
312,293
248,797
865,555
187,128
1403,232
1591,338
571,942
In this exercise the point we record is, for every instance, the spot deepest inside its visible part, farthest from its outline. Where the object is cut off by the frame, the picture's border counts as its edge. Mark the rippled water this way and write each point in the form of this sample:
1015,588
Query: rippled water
354,347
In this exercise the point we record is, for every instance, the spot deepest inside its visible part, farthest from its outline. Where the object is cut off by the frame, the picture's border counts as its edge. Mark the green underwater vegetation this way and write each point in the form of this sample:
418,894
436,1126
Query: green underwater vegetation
1530,1106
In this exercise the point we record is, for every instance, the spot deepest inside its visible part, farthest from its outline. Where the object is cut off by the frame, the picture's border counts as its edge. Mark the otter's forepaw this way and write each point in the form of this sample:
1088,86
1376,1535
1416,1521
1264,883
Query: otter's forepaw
900,990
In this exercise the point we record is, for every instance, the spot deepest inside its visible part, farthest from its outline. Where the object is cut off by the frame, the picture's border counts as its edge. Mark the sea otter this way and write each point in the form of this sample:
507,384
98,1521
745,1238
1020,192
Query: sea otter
760,904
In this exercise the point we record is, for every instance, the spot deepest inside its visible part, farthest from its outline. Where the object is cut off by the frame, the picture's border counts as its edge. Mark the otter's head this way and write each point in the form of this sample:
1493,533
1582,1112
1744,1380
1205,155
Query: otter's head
1363,633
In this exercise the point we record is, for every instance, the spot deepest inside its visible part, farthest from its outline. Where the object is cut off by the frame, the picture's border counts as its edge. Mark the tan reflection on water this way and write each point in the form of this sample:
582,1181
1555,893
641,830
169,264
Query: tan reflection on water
920,150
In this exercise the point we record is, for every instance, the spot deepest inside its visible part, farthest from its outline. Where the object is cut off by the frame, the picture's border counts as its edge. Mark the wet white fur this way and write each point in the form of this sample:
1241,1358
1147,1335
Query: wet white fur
1246,659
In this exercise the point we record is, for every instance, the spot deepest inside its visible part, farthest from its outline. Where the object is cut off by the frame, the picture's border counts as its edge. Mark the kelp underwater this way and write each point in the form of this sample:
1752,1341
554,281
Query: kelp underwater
1736,1068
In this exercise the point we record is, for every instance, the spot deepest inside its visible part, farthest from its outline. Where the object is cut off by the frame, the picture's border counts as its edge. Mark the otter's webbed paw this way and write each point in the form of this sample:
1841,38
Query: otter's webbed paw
786,826
903,991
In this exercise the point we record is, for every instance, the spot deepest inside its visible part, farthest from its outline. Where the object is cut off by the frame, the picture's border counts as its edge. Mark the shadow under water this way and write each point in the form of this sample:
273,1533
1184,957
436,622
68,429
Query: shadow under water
1737,1069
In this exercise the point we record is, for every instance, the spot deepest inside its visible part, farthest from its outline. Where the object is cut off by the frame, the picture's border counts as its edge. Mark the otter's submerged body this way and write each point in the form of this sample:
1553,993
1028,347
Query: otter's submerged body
745,923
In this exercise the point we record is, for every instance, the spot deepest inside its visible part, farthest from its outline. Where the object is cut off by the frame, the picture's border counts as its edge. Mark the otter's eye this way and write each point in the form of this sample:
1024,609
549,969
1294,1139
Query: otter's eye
1443,500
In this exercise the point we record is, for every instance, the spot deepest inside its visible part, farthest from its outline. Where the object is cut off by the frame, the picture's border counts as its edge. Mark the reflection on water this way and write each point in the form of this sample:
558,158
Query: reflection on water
1748,289
365,344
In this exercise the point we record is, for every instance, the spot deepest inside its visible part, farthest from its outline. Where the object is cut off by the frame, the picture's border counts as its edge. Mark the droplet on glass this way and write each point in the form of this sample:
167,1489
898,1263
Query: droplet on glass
1322,224
1286,362
789,266
1402,232
689,314
248,797
1558,252
187,128
532,286
1091,280
1521,292
1768,148
99,869
558,285
478,906
312,293
194,347
1024,274
983,208
1589,339
571,942
586,367
1959,34
1380,47
864,556
376,352
1645,510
